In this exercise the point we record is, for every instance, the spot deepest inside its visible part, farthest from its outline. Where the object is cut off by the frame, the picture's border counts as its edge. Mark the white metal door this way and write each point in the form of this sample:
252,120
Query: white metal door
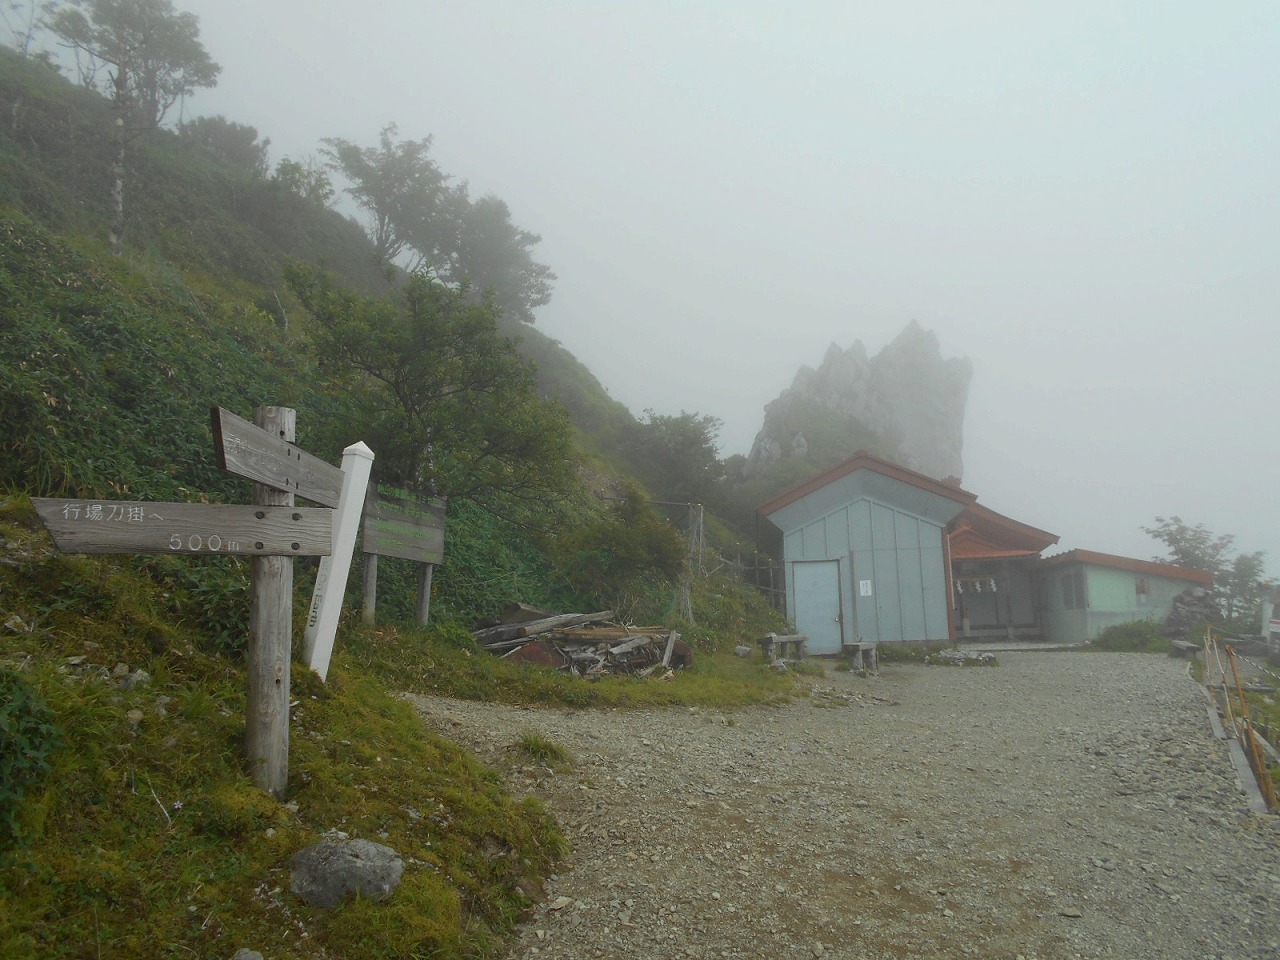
817,586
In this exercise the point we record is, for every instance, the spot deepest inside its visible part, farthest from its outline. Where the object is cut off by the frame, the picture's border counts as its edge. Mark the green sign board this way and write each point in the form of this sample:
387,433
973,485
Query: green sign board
400,523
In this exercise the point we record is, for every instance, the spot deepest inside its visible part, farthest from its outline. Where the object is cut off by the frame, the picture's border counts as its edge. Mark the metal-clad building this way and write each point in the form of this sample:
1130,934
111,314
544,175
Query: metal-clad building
864,549
1085,592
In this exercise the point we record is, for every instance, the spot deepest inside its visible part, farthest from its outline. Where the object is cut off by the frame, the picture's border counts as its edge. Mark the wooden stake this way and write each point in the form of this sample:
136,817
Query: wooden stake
424,593
270,636
369,610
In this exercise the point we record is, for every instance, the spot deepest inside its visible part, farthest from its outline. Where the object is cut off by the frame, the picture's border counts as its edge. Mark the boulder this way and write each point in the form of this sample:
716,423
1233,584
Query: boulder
326,873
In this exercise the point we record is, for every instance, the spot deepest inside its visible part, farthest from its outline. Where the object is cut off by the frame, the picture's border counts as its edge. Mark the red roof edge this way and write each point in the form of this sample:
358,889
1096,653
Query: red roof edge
1152,567
865,461
979,512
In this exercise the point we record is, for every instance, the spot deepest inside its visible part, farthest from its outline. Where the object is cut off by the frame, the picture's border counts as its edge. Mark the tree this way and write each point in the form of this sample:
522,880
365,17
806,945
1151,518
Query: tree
402,192
442,397
234,144
495,257
153,57
1243,587
1237,580
677,456
24,18
304,179
606,555
417,220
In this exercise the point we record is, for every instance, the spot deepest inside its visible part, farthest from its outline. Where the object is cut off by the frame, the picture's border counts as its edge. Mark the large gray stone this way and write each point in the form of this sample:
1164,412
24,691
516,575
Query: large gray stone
326,873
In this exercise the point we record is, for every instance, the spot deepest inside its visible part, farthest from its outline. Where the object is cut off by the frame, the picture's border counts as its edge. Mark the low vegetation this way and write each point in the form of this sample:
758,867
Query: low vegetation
131,822
1140,636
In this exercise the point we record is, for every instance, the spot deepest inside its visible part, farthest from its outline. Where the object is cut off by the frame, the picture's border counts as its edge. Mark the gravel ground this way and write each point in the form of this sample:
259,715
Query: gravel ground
1057,805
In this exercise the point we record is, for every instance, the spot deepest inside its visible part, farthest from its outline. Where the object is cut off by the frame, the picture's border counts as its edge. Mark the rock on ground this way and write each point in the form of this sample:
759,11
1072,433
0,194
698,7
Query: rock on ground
1059,805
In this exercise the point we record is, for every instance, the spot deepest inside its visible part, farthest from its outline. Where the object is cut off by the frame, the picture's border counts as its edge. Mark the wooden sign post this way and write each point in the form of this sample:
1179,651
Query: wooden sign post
272,531
266,740
400,523
264,452
211,529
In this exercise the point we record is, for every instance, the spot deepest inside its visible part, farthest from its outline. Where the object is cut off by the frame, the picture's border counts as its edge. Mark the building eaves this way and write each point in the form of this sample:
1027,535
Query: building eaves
1152,567
865,461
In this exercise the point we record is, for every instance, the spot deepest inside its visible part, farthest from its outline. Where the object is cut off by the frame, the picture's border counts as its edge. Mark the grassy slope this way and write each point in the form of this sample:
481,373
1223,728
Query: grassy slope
148,840
148,835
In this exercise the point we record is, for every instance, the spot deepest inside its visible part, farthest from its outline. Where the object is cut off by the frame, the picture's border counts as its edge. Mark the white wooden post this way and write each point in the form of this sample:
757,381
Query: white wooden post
331,581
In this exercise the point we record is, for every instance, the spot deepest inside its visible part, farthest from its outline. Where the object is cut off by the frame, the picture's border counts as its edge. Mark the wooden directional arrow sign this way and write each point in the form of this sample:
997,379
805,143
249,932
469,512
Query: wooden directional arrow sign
249,451
118,526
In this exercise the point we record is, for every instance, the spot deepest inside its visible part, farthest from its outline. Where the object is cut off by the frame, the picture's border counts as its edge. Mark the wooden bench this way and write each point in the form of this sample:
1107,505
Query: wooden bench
864,656
776,646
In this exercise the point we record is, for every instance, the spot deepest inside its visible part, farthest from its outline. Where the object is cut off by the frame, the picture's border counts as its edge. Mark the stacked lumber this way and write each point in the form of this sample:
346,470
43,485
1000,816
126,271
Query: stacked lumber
583,644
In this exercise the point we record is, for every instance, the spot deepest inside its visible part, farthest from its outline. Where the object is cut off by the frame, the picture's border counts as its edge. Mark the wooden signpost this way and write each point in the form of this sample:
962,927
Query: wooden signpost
269,457
272,531
404,524
115,526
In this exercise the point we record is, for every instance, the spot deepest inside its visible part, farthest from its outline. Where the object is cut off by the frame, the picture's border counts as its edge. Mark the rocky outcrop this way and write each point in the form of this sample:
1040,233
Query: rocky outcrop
906,400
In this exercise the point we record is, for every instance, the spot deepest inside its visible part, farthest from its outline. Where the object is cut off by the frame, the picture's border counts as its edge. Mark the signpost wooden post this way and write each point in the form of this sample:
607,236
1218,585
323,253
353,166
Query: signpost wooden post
272,531
400,523
270,635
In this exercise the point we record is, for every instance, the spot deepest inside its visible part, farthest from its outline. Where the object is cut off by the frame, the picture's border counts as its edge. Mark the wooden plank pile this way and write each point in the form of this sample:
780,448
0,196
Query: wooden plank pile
584,644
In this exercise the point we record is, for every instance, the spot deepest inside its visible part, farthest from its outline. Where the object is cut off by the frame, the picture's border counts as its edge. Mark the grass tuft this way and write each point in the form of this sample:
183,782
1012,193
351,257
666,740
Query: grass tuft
546,752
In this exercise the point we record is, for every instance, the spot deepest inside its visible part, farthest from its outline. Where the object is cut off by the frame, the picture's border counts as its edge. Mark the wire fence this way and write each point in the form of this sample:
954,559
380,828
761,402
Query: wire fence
1222,675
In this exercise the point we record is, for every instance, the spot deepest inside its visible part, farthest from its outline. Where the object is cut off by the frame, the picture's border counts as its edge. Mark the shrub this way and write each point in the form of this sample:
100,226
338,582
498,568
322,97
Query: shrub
1140,636
28,735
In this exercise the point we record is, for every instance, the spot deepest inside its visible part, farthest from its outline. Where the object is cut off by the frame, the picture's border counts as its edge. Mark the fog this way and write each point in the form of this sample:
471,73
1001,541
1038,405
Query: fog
1081,198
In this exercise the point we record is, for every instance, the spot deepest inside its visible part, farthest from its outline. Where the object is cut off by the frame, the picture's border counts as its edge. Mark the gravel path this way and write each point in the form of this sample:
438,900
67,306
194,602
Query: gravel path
1057,805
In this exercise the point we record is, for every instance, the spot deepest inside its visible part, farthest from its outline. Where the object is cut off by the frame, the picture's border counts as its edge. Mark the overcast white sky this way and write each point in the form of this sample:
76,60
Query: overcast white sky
1081,197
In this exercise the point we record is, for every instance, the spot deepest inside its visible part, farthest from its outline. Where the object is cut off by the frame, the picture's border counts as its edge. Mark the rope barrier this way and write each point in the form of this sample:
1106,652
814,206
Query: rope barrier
1259,667
1242,728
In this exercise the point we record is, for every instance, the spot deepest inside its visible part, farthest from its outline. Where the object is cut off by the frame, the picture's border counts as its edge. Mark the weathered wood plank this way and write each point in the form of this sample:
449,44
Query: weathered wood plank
531,628
121,526
505,644
536,627
632,644
606,634
399,523
671,645
264,456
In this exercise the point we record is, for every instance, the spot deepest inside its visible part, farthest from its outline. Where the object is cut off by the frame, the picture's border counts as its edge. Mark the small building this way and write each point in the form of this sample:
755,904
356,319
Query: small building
864,553
1271,617
995,589
1086,592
